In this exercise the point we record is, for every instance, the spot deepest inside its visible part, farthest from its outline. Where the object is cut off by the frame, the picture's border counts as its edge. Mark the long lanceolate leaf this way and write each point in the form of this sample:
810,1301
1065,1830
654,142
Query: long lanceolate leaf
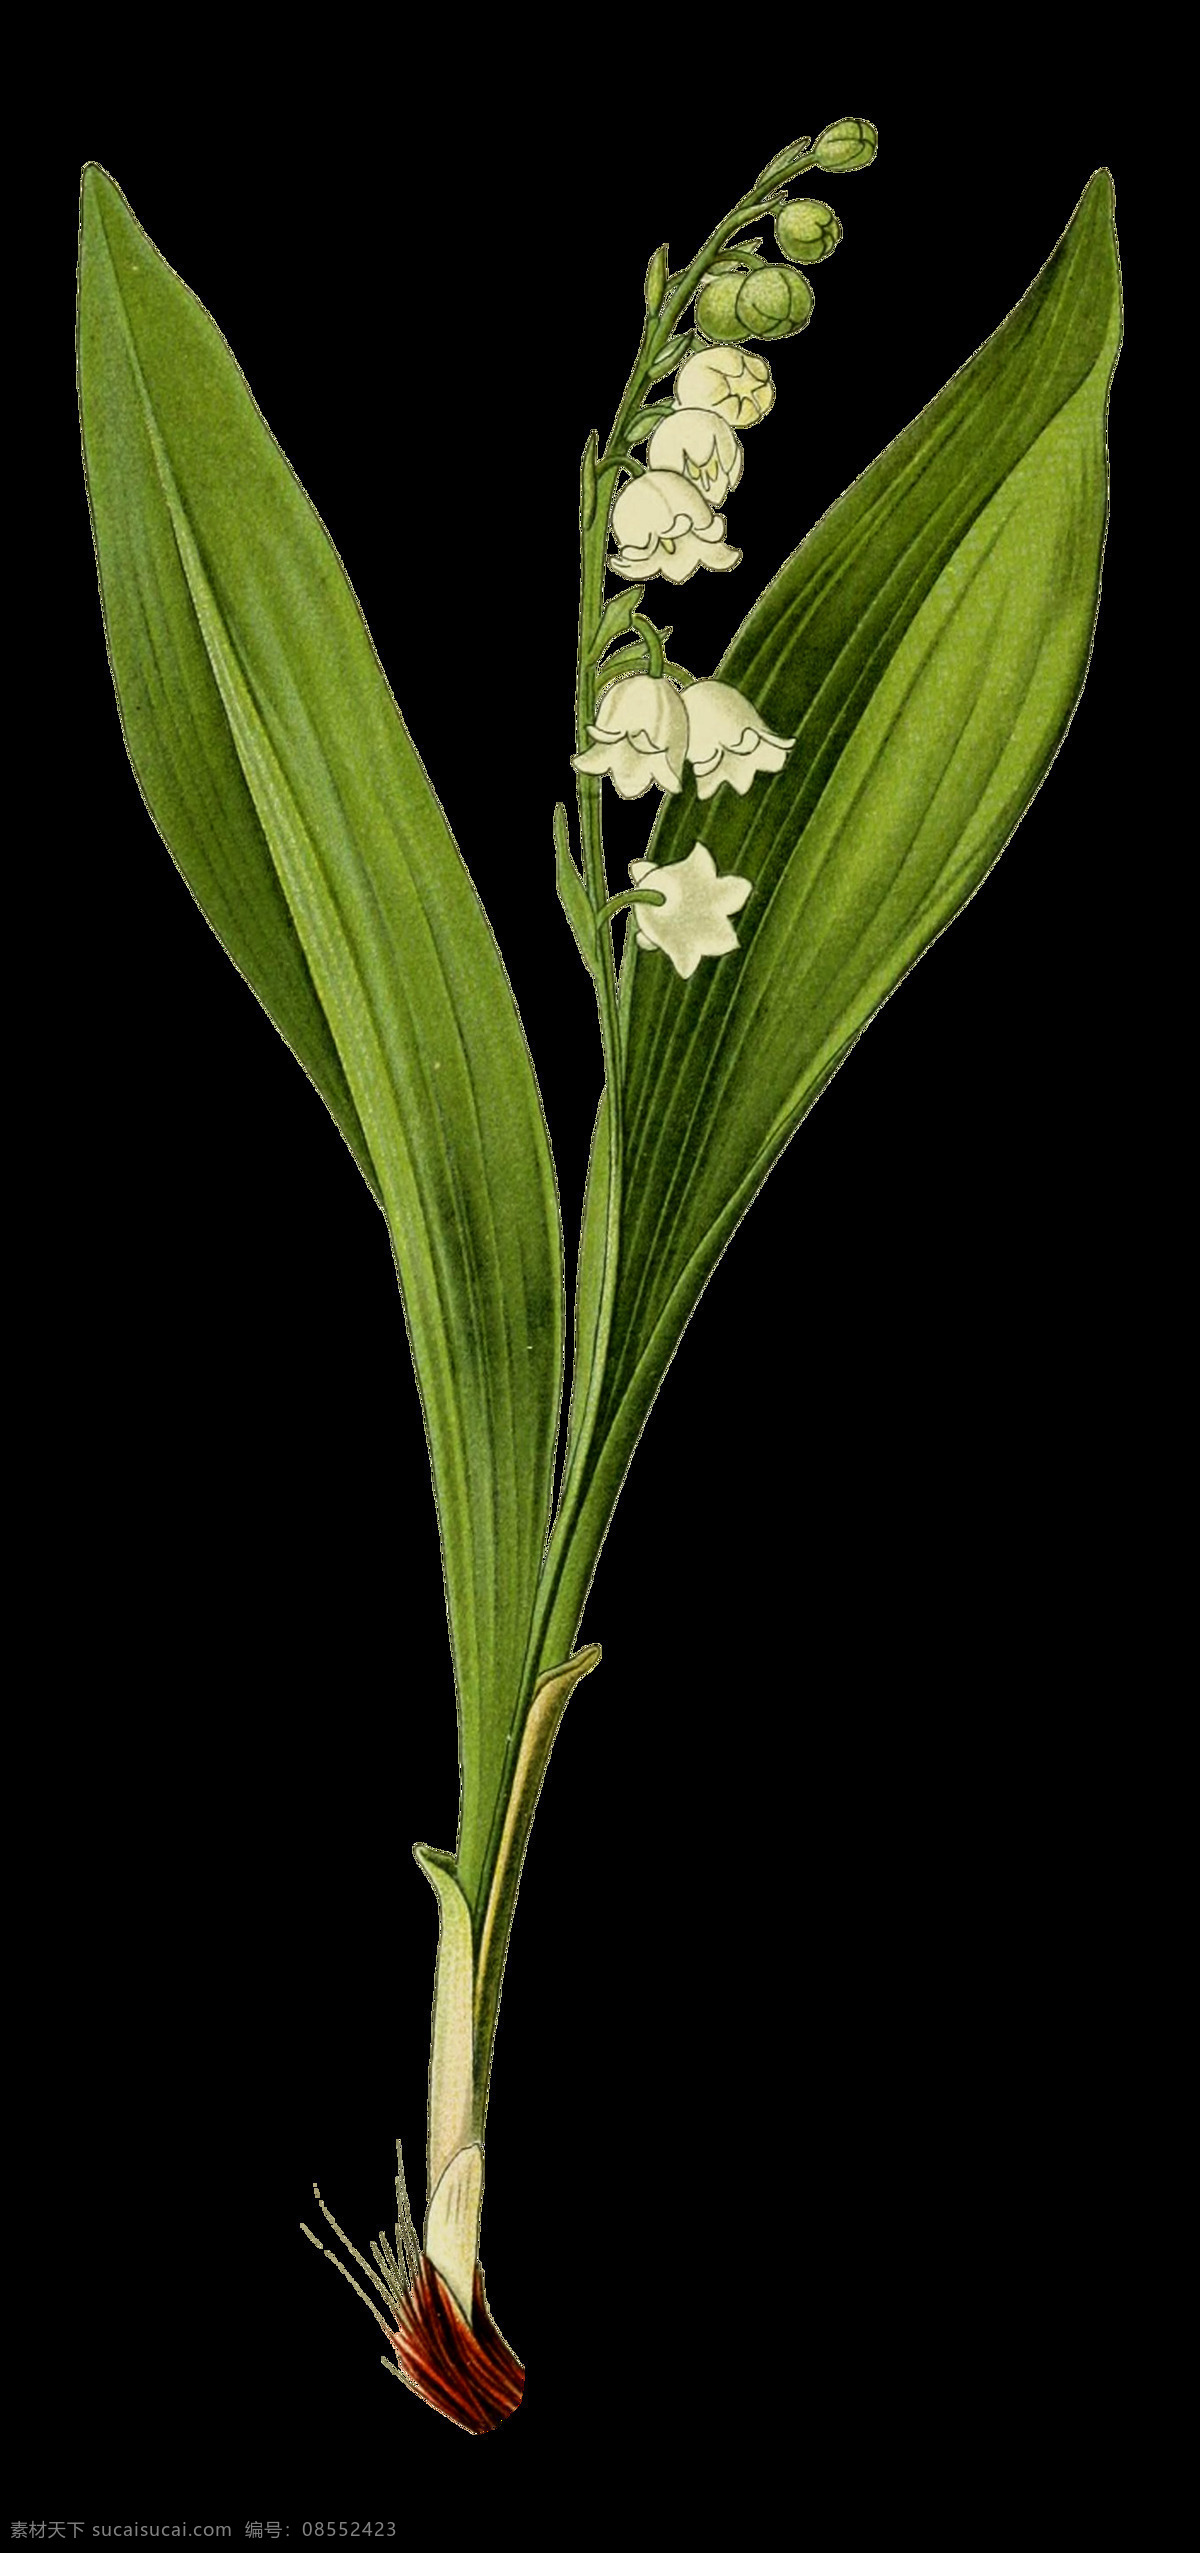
925,646
279,771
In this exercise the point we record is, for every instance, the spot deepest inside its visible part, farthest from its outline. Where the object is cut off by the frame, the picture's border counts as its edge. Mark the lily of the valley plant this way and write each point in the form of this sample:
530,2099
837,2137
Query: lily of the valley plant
825,803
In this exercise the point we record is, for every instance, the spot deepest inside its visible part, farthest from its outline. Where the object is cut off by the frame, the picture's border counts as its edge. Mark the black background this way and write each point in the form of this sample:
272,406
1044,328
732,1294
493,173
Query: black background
793,2145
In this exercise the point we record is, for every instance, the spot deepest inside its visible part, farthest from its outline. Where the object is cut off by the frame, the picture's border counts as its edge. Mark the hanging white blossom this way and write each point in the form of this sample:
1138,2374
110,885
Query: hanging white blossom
736,385
693,920
664,527
703,446
641,736
727,739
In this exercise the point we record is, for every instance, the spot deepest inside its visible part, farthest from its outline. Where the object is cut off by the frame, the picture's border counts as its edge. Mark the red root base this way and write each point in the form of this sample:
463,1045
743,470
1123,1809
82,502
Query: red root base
465,2370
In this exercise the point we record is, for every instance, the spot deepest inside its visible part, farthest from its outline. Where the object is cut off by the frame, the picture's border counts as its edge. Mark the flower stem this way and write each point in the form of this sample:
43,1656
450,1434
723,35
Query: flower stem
632,895
593,547
567,1571
584,1504
654,646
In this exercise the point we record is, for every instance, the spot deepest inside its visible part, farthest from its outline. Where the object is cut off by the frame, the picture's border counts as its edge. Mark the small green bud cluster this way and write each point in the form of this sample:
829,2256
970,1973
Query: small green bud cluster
807,231
850,144
771,301
744,296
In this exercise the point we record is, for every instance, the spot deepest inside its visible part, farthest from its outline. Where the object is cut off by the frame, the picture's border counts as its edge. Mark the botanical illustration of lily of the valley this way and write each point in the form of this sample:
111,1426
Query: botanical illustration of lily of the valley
824,803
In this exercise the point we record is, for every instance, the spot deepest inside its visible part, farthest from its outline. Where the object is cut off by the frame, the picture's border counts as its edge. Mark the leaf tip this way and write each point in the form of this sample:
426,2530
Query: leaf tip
1098,202
429,1858
93,180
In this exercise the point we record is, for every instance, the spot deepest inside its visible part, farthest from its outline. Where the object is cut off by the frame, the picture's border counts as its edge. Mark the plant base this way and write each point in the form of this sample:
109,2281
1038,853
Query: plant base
465,2370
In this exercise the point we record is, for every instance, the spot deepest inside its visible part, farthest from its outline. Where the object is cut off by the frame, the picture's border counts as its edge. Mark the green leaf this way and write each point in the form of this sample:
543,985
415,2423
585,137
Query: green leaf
279,770
785,161
673,353
572,893
647,418
765,204
551,1695
176,731
925,646
589,1274
587,482
617,616
455,2117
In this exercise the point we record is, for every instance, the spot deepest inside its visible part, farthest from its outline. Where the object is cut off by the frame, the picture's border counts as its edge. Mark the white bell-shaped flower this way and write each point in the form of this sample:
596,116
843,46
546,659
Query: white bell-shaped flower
693,920
735,384
727,739
703,446
664,527
641,733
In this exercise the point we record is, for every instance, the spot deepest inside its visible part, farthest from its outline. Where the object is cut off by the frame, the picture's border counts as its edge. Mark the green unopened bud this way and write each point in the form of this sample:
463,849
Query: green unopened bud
774,302
717,313
656,280
807,231
850,144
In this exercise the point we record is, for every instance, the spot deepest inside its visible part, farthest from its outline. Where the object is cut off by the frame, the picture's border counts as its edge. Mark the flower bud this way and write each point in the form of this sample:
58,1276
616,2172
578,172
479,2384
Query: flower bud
774,301
656,280
850,144
807,231
734,385
716,310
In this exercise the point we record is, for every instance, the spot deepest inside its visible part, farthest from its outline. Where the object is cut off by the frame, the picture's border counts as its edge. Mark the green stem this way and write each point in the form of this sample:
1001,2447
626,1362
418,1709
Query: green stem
551,1695
563,1570
567,1572
593,548
632,895
654,646
478,1882
489,1890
